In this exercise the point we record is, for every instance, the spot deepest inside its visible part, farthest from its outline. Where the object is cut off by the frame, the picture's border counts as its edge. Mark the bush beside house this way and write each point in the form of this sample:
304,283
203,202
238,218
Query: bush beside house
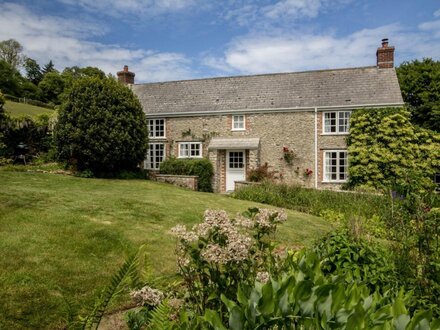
200,167
101,127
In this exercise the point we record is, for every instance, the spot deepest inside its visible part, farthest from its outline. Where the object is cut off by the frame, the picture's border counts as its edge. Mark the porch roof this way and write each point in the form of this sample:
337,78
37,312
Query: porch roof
234,143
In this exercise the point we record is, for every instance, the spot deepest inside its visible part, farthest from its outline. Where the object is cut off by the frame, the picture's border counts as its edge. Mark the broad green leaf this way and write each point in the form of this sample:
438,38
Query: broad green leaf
213,319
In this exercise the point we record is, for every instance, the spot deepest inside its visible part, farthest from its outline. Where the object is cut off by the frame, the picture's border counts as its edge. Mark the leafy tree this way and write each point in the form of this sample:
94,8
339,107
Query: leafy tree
33,71
49,67
420,85
76,72
51,87
385,148
30,91
70,74
101,127
9,79
10,52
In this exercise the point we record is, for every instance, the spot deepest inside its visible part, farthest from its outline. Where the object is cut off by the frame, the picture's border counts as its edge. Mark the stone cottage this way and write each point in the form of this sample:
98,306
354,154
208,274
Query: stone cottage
296,122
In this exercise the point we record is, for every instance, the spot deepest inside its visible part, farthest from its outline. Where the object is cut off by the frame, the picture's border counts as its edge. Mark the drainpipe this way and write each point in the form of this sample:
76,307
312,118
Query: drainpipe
316,147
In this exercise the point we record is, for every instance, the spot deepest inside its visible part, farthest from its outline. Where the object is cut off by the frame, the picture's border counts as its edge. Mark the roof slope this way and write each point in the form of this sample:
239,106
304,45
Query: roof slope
340,87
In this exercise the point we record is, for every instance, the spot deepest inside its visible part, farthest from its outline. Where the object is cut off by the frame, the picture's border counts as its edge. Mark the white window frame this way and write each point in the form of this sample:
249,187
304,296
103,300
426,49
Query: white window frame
152,128
241,123
339,116
154,164
327,174
188,148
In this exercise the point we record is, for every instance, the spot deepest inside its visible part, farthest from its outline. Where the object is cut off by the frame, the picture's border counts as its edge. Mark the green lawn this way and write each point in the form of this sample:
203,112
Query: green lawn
19,109
62,237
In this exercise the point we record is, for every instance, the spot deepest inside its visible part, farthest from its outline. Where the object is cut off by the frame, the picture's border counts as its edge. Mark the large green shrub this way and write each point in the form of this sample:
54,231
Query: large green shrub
357,260
384,149
200,167
420,85
101,127
33,133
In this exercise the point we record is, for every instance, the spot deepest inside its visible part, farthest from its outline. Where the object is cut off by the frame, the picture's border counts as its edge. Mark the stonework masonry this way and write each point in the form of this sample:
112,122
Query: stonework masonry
294,130
185,181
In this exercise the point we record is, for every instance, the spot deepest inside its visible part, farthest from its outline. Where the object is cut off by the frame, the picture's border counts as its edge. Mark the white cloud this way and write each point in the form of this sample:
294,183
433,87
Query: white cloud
65,41
164,66
247,12
297,52
432,26
437,13
121,8
293,9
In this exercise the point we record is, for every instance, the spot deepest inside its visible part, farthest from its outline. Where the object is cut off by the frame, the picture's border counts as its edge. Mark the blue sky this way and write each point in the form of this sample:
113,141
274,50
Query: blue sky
164,40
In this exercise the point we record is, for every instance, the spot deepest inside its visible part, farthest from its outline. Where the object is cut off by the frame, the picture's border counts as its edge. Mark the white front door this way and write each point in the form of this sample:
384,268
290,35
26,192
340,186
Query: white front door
235,168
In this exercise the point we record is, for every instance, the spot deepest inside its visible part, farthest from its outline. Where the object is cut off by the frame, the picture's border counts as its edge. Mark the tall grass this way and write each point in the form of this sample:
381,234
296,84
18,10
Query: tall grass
316,202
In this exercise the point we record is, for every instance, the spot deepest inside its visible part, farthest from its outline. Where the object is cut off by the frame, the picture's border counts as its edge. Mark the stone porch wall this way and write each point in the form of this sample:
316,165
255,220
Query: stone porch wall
185,181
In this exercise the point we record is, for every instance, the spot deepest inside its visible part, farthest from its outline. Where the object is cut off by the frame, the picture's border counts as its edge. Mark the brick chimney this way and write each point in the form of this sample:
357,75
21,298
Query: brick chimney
385,55
126,77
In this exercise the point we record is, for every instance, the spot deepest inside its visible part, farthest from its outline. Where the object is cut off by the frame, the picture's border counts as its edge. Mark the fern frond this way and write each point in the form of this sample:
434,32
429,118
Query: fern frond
160,317
128,271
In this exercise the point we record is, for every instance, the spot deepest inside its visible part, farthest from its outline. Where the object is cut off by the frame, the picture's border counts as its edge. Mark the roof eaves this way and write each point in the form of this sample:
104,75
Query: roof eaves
272,110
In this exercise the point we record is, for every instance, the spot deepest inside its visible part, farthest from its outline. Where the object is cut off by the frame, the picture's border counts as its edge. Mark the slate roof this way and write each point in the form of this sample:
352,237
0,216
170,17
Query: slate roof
324,88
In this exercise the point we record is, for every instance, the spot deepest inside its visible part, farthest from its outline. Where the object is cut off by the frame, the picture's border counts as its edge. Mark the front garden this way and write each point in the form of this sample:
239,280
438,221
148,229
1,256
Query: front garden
62,238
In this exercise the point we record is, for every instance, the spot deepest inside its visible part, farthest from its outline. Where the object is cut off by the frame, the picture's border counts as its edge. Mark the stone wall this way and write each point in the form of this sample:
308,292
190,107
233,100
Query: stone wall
185,181
241,184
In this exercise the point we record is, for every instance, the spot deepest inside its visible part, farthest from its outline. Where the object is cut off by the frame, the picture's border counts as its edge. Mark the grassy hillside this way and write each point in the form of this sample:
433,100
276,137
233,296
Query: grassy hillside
19,109
63,237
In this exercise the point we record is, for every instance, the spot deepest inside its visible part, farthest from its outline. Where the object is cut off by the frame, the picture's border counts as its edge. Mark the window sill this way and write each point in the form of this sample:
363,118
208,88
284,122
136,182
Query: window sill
238,129
180,157
335,181
333,134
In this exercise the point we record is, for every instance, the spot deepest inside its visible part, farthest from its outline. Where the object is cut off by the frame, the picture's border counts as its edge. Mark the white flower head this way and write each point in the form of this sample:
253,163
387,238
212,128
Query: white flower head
147,296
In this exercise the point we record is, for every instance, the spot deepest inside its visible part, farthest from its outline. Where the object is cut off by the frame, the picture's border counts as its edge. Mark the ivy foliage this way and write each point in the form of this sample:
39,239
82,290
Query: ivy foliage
101,127
420,85
385,148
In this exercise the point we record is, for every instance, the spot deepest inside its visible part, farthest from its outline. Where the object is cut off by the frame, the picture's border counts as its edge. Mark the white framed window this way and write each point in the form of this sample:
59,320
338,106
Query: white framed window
336,122
155,156
238,123
335,166
190,149
156,128
236,159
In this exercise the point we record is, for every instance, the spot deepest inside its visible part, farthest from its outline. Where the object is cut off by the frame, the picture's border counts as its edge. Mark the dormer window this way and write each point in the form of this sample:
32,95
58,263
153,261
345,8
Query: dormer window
238,123
156,128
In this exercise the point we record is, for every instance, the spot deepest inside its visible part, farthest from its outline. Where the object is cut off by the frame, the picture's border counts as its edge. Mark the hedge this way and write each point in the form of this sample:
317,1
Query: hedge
200,167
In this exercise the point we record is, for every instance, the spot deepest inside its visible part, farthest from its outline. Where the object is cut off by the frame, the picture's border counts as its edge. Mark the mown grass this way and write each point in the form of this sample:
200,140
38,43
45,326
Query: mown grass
63,237
16,109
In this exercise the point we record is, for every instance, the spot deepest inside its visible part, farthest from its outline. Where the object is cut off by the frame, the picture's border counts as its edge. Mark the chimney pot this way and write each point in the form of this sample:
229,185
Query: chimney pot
385,55
125,76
